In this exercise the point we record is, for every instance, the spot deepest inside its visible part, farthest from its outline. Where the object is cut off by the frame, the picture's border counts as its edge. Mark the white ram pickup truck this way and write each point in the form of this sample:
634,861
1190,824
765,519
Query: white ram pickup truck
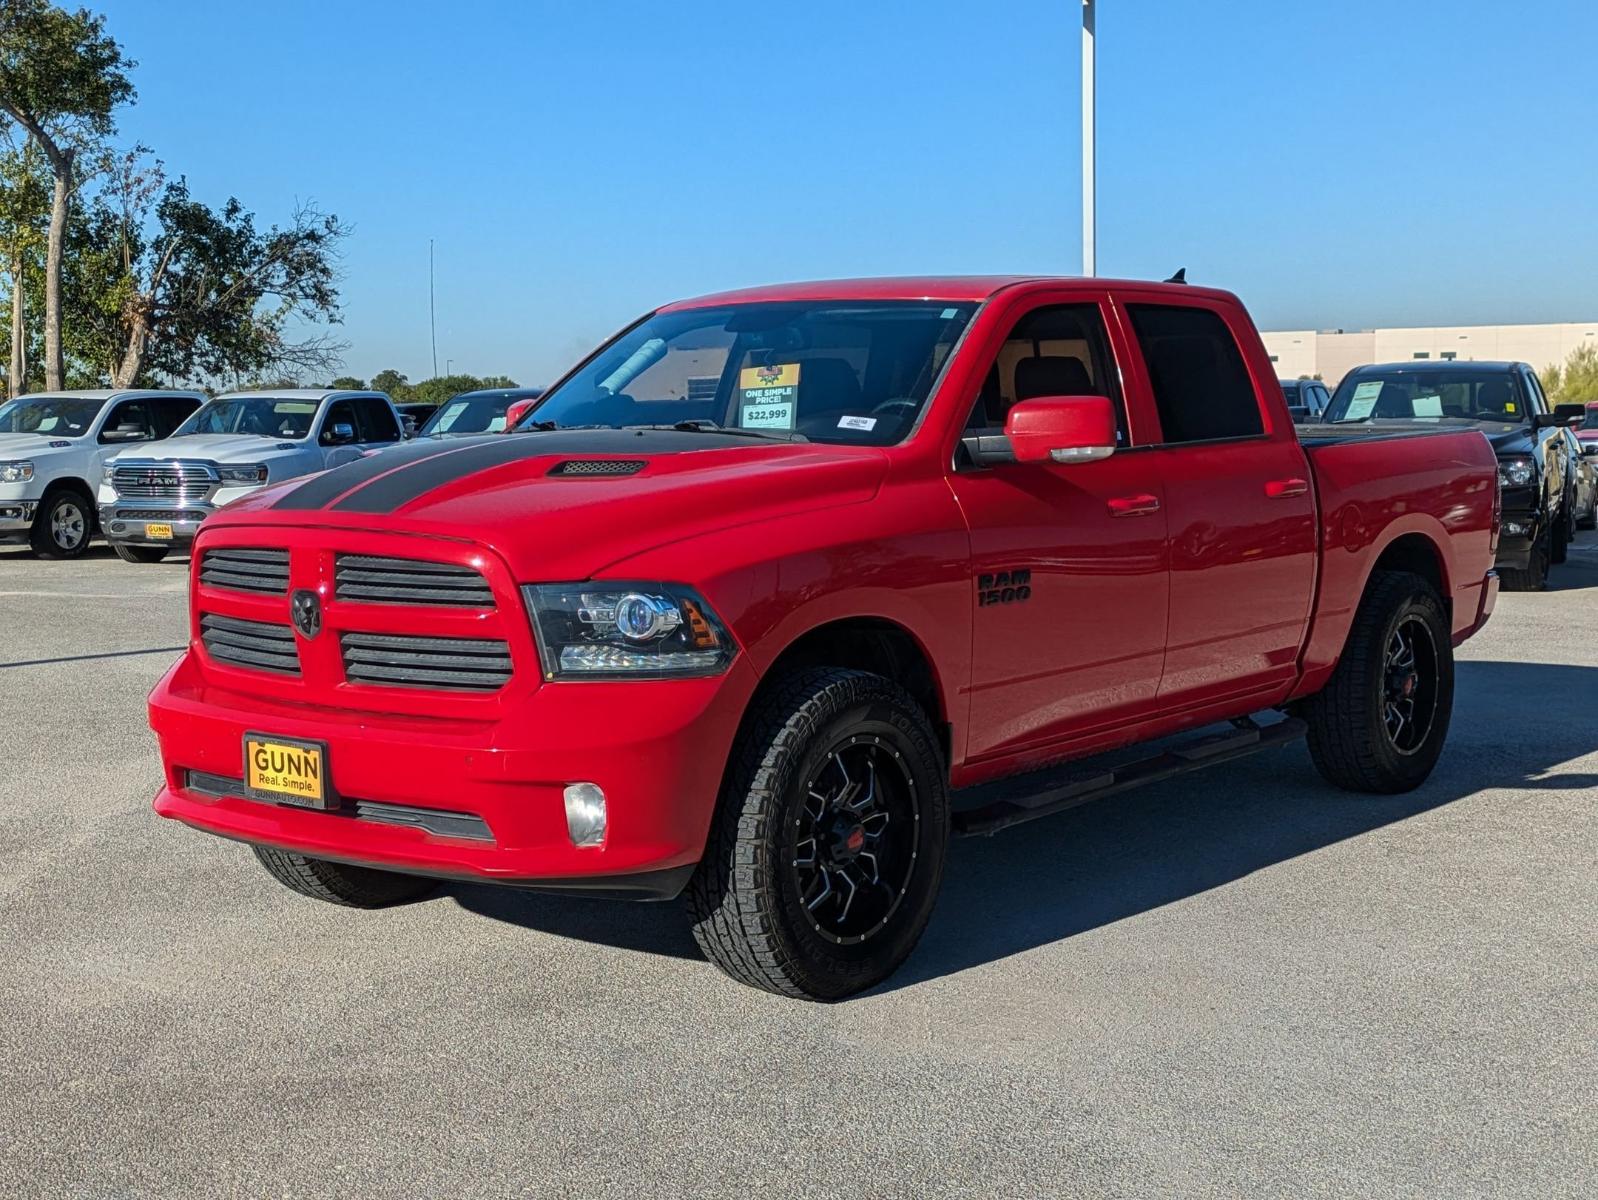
53,448
153,499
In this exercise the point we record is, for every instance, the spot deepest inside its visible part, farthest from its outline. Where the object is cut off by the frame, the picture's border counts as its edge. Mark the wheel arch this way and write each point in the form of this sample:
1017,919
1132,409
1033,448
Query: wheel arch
72,483
876,644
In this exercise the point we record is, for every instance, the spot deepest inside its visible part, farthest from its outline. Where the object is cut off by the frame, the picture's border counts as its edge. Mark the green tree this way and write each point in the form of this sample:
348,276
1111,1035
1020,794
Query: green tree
24,217
497,381
349,383
61,78
205,294
396,385
1574,381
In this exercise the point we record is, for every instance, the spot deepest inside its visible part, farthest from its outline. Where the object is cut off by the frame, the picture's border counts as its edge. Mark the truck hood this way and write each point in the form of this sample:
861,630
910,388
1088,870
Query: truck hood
32,445
213,447
565,504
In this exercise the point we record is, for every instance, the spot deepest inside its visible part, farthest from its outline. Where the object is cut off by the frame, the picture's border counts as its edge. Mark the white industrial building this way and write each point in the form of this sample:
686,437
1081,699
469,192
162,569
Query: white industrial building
1330,355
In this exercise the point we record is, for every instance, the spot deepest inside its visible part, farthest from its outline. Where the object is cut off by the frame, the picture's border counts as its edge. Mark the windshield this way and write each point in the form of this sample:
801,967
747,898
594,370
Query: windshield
1407,394
467,414
49,416
266,416
845,373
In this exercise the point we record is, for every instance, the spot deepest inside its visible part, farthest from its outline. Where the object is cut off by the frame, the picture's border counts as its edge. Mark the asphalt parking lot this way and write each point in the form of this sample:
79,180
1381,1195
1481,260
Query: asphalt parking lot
1241,984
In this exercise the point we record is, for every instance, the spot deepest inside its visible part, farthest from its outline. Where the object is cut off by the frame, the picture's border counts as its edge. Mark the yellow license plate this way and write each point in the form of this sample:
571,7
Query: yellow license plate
160,532
286,771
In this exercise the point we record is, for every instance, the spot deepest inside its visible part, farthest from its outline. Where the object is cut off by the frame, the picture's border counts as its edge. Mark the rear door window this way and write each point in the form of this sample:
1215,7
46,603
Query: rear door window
1202,388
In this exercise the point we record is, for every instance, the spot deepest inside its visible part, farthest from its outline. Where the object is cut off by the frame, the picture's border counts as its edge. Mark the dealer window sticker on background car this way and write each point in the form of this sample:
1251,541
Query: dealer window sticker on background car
768,396
1363,401
1428,405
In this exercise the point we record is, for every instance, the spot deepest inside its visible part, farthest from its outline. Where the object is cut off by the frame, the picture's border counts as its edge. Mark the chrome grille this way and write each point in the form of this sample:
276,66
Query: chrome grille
256,644
400,660
374,580
163,480
243,569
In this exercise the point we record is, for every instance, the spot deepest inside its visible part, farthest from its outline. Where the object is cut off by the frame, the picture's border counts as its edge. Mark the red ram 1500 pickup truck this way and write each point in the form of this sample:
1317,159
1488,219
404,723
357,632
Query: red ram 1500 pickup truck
780,588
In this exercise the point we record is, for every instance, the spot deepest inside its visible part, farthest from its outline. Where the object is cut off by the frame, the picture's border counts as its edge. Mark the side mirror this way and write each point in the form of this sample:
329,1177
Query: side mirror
517,411
1563,414
1061,429
1589,448
131,434
408,426
341,434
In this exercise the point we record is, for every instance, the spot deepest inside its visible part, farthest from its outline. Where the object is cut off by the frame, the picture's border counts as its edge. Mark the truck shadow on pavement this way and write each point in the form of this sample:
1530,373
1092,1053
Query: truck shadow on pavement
1112,860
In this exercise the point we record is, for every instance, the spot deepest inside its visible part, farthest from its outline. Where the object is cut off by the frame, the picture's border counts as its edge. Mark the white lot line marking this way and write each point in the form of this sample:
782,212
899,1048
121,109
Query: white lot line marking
96,595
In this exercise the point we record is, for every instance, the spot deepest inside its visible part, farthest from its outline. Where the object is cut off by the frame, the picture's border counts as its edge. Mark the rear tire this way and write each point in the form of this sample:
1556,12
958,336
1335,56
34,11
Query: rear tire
1535,577
63,525
140,554
339,883
826,851
1380,723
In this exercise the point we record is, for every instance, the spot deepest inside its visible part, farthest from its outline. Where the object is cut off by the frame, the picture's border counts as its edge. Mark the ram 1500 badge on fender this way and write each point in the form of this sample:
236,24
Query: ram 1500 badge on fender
779,588
153,499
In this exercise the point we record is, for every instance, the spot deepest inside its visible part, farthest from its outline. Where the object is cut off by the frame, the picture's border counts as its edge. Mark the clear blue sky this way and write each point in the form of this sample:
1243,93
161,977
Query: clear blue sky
1338,164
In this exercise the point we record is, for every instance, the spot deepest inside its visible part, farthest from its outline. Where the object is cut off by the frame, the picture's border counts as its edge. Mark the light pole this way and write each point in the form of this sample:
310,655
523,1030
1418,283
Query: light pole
432,312
1089,227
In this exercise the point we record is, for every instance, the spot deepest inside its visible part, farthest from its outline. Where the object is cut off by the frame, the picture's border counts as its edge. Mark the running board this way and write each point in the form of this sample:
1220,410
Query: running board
1044,793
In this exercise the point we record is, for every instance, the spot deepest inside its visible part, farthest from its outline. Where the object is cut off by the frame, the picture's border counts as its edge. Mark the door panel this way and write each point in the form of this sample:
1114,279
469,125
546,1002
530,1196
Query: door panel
1239,497
1242,567
1084,646
1070,560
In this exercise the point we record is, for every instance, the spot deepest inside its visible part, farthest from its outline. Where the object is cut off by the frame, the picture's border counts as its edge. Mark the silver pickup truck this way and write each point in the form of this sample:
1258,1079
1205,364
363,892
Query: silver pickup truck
153,499
53,448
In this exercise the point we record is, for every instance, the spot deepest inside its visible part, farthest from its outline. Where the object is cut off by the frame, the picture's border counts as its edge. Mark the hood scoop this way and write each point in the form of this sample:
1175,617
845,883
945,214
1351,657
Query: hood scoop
593,468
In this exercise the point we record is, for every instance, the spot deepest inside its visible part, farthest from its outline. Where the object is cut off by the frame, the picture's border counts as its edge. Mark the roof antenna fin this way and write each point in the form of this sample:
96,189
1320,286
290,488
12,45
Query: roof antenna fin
1179,277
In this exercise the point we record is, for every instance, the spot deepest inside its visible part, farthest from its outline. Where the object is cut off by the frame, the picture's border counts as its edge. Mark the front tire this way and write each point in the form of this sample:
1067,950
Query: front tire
339,883
63,525
140,554
826,852
1380,723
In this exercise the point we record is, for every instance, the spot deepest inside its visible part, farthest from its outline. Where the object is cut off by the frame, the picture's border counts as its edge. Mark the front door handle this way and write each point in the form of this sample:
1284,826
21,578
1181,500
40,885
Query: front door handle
1280,489
1134,506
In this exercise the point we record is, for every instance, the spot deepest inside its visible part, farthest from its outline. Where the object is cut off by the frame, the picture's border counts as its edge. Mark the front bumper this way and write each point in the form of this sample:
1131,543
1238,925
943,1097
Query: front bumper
489,792
127,522
1518,533
16,519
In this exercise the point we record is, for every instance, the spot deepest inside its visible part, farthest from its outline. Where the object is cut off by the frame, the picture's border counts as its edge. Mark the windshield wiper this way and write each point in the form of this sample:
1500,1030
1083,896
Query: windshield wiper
703,426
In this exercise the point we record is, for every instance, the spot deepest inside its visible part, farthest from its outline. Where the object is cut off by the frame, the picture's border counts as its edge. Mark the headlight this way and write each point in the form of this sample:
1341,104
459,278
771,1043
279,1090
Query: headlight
251,474
1515,472
607,630
107,473
16,472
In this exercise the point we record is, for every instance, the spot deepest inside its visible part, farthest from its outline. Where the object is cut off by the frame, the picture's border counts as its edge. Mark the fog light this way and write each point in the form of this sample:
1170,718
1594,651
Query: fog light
1514,529
585,814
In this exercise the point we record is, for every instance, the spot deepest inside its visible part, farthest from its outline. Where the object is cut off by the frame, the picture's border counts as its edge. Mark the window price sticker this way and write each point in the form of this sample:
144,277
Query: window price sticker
768,397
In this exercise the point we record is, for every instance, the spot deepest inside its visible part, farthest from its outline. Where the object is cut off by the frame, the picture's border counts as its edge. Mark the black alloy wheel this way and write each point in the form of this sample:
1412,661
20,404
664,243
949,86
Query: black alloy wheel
854,840
1410,685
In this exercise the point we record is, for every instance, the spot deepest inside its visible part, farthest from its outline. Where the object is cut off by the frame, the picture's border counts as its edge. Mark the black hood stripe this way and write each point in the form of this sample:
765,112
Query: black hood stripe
398,483
321,490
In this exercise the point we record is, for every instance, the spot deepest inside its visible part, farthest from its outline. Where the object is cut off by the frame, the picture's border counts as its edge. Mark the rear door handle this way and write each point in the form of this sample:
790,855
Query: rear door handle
1278,489
1134,506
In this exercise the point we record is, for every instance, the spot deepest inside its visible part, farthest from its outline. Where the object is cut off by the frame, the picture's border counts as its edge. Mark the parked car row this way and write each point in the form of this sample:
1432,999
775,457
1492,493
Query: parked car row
1547,469
146,467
